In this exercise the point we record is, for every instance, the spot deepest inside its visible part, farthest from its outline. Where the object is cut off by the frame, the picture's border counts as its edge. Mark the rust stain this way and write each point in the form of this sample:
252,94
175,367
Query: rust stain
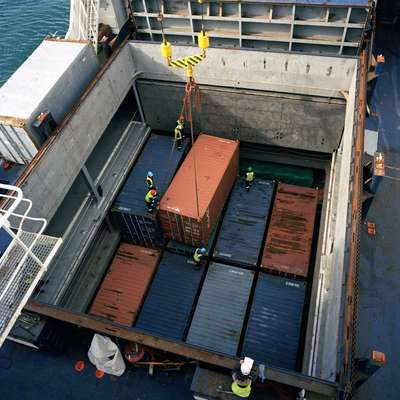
49,39
125,284
13,121
288,244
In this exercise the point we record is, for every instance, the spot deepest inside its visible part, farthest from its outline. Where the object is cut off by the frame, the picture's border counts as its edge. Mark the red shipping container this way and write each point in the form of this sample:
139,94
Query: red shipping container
216,162
288,245
122,291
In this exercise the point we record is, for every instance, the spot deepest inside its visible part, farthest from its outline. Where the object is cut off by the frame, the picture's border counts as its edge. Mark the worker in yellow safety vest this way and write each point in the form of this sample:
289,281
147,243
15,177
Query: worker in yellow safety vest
249,178
198,255
241,385
150,200
178,133
150,180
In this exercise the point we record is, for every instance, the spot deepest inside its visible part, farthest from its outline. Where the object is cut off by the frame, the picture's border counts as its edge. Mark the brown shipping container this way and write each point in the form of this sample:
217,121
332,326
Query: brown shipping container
122,291
217,163
288,245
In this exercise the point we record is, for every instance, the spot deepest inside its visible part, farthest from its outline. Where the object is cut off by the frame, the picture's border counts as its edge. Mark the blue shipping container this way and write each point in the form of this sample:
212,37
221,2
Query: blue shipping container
168,305
241,235
219,315
273,330
129,211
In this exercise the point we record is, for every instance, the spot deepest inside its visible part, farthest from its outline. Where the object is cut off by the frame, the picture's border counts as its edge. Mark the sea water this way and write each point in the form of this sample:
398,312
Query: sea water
23,25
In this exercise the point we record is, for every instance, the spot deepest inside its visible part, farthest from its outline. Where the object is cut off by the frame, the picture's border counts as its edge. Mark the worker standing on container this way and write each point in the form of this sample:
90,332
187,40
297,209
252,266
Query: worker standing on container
198,255
150,200
249,178
150,181
241,385
178,134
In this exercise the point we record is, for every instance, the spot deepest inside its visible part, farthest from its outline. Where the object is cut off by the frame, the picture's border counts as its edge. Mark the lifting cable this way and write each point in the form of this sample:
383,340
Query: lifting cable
192,96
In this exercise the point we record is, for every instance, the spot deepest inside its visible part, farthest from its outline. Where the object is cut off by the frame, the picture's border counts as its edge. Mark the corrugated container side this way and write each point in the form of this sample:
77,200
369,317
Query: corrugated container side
217,162
125,284
169,302
289,240
241,235
129,211
274,326
16,145
219,315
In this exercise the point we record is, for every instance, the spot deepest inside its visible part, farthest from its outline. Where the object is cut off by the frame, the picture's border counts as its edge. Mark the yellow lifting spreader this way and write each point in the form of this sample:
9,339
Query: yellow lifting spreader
186,62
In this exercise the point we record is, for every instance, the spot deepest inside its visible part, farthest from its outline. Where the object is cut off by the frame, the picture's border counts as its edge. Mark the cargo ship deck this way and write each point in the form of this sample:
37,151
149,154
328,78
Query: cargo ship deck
379,318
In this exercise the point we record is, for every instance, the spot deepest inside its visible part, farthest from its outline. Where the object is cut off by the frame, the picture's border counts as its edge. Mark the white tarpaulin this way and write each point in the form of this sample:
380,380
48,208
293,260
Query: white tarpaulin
105,355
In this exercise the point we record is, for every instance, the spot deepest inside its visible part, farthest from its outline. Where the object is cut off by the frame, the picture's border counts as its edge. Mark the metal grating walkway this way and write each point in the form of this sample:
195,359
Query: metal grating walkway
16,290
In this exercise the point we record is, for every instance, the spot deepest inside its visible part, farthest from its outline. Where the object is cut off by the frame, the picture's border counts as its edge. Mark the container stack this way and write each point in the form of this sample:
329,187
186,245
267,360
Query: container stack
191,205
253,296
129,210
241,235
287,249
125,284
168,305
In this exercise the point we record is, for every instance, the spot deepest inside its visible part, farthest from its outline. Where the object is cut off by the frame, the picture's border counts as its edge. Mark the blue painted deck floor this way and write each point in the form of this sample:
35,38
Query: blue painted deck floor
379,309
27,374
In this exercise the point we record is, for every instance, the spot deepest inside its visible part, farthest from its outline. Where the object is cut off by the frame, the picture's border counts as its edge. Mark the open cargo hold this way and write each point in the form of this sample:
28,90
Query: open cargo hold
303,115
281,172
168,305
289,239
129,211
273,329
50,80
125,284
218,318
240,238
196,196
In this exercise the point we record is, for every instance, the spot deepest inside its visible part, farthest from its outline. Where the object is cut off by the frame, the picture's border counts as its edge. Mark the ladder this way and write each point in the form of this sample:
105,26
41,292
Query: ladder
26,258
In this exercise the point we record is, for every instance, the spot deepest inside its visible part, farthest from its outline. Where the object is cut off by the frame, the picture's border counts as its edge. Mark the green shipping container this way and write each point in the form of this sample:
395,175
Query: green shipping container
281,172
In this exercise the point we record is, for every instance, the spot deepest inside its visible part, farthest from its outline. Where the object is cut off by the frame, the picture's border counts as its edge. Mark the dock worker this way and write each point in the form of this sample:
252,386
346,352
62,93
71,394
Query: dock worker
242,379
178,133
249,178
150,180
150,200
198,255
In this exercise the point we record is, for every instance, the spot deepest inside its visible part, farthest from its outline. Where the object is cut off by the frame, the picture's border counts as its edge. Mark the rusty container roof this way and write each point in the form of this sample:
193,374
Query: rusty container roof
288,245
122,291
210,157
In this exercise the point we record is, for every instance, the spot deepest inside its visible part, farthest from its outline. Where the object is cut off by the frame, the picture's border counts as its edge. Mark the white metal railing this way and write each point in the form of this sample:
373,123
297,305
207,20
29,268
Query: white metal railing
26,258
84,21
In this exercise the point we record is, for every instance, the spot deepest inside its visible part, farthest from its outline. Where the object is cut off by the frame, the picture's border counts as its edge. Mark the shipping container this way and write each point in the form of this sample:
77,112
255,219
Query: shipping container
281,172
50,80
190,207
122,291
240,238
288,245
168,305
129,210
273,329
219,315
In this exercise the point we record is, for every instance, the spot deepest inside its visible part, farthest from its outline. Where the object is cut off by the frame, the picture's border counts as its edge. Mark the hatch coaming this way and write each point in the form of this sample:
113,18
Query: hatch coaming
227,107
